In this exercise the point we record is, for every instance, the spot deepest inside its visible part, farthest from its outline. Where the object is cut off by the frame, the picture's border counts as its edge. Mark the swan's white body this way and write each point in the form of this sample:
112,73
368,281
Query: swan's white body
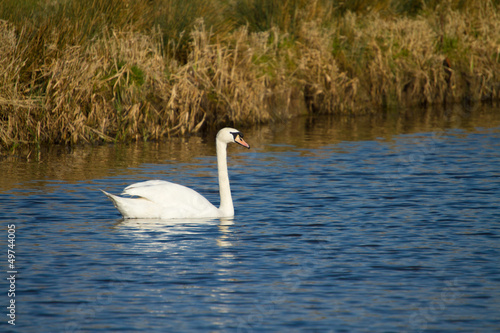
158,199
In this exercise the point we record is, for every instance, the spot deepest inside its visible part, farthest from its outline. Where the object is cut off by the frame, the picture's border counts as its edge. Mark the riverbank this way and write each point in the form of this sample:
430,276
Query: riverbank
91,78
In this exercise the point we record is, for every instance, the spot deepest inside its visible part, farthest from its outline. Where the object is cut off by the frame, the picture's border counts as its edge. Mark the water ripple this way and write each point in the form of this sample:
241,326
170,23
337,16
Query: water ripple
363,236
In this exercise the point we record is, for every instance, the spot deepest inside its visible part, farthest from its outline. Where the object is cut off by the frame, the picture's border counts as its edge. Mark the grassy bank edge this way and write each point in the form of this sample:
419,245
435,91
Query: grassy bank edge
124,84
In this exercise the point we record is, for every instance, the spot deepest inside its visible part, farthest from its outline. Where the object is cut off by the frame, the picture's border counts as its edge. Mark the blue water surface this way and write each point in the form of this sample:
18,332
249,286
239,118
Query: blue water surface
398,234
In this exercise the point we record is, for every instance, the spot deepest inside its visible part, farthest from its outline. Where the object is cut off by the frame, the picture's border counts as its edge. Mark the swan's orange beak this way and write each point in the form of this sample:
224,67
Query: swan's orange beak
239,139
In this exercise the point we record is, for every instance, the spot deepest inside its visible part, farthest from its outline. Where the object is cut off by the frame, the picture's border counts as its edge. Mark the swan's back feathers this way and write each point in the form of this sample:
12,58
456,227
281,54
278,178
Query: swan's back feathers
153,188
162,199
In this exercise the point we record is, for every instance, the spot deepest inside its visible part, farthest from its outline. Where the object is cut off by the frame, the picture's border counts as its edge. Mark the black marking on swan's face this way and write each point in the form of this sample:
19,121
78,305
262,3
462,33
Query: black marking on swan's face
236,134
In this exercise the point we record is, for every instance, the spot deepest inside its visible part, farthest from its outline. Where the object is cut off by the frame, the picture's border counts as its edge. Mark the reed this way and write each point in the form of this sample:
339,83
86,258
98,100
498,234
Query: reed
93,71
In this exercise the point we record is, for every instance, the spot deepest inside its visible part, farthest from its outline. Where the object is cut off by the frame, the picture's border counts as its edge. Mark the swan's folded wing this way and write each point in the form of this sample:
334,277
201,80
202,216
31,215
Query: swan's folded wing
160,190
147,184
170,196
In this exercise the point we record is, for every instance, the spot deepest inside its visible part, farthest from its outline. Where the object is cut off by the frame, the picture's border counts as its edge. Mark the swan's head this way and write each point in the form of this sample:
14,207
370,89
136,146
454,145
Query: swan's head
230,135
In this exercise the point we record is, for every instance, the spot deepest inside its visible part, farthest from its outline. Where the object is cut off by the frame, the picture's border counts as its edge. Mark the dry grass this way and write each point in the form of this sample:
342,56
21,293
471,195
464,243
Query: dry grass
132,82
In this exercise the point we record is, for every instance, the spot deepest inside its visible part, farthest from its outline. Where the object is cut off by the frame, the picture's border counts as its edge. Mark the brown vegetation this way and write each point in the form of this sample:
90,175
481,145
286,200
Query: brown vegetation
62,84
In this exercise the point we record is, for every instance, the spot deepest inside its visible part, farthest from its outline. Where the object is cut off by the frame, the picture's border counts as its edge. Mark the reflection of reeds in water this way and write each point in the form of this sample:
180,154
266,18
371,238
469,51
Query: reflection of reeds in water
119,71
82,163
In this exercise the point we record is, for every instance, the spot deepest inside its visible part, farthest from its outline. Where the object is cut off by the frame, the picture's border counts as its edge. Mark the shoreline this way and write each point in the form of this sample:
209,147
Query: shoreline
126,84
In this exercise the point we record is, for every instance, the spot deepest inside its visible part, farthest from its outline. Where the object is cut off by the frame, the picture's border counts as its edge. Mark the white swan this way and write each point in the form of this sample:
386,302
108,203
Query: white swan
158,199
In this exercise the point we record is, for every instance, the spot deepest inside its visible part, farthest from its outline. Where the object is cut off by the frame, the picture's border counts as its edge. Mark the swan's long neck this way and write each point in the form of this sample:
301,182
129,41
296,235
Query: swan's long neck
226,201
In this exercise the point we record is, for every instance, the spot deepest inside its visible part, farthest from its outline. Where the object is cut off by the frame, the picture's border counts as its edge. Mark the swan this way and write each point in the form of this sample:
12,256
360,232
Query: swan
158,199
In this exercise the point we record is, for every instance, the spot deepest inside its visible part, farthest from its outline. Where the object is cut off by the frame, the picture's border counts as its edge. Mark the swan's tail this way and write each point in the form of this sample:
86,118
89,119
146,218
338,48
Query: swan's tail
113,198
117,201
131,208
109,195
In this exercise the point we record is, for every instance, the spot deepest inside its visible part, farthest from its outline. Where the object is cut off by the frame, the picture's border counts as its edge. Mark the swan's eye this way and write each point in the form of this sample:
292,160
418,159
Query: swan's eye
236,135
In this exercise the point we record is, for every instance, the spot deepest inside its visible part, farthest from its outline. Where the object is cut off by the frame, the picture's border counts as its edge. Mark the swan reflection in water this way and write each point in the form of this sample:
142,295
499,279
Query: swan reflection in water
209,243
156,234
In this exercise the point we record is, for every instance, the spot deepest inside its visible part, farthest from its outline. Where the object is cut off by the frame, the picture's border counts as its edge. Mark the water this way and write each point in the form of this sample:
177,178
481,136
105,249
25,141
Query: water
376,224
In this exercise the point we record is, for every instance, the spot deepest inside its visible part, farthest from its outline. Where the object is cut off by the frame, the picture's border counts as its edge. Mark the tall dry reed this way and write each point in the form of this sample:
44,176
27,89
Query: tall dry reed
124,80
